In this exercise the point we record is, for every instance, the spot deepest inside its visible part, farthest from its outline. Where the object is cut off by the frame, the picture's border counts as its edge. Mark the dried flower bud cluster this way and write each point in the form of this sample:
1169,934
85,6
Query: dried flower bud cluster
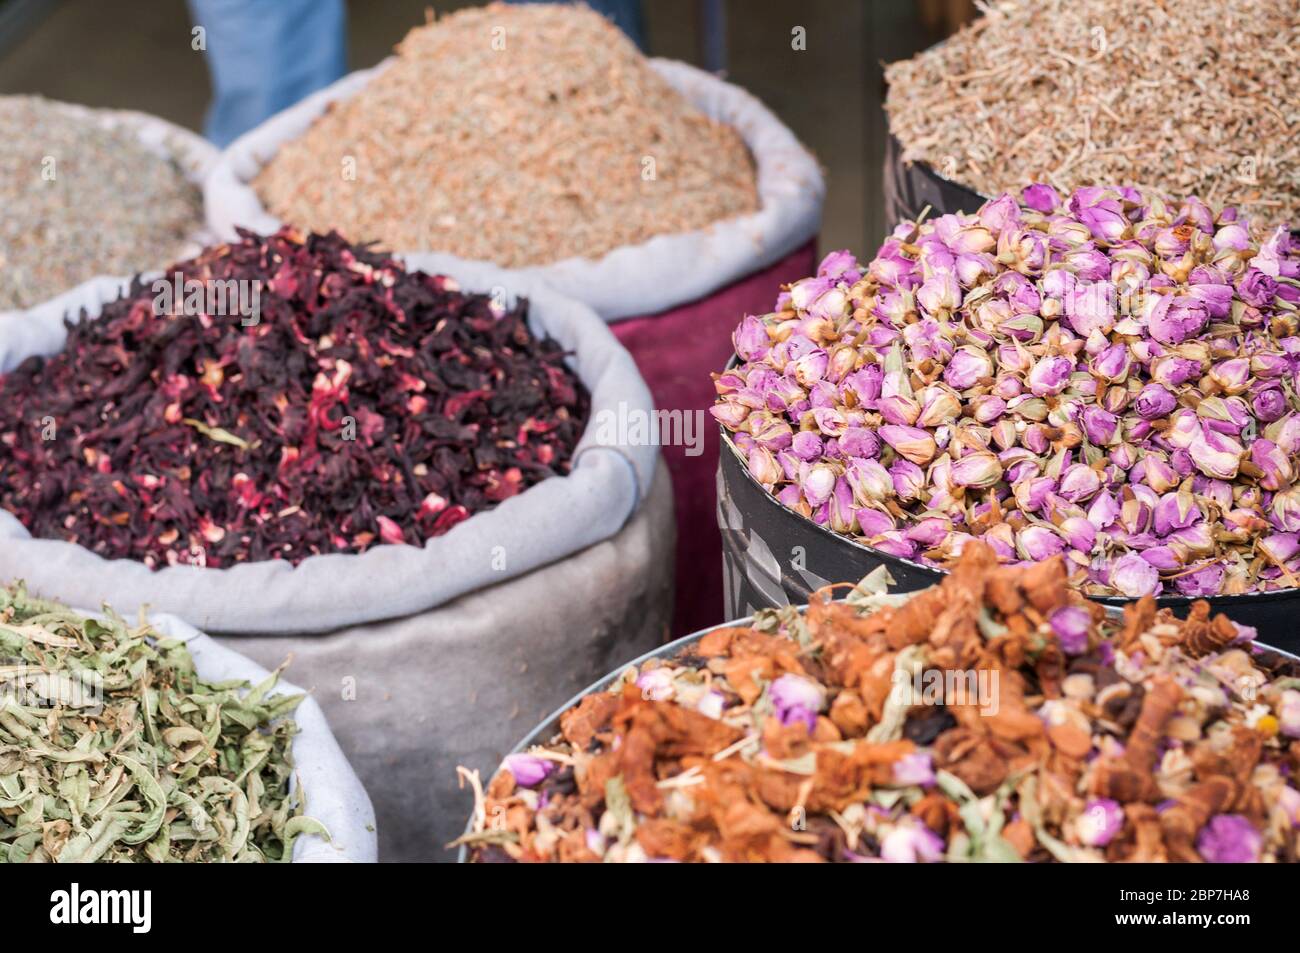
366,404
851,732
1111,378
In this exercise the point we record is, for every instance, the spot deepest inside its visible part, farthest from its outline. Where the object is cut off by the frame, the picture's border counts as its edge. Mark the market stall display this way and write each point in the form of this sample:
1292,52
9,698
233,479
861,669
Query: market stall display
405,586
1132,94
537,137
151,743
1111,377
840,735
89,192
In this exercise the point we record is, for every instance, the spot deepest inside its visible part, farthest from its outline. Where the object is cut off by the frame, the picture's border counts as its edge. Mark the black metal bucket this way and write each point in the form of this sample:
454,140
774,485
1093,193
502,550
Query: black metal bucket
772,556
909,187
1266,656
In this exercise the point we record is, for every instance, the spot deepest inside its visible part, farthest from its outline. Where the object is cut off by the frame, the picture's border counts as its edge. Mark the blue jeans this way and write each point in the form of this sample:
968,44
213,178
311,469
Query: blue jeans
266,55
626,15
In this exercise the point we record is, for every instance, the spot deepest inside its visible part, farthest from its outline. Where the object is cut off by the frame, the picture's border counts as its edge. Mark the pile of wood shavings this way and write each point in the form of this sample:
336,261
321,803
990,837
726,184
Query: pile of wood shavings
79,200
1205,101
524,155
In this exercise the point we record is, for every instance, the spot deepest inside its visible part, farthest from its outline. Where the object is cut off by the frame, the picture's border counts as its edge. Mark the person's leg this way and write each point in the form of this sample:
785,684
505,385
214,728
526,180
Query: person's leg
266,55
626,15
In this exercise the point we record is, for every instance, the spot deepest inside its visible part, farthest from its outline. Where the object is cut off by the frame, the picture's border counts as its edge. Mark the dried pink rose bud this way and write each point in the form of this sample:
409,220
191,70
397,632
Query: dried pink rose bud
1037,543
913,443
796,698
912,843
1102,819
1233,375
870,482
908,479
1041,198
1269,404
1071,625
873,522
1134,576
939,294
1050,375
1079,533
1232,237
528,770
1274,465
1172,320
1229,839
751,340
966,367
977,470
1079,483
1215,454
1288,713
818,484
730,414
914,769
763,467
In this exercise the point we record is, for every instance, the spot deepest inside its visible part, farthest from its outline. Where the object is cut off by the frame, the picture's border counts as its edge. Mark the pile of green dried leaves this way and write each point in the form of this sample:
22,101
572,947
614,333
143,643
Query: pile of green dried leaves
113,749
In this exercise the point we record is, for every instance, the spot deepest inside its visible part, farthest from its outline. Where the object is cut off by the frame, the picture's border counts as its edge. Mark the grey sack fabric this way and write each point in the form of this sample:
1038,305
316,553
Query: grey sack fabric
409,700
548,521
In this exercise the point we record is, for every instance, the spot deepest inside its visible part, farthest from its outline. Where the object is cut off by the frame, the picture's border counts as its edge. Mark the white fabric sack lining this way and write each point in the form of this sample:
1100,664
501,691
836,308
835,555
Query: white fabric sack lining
662,273
549,521
332,792
193,154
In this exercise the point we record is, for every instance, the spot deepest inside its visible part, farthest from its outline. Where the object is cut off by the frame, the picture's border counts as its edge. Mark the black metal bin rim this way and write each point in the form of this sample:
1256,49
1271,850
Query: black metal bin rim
930,172
1224,603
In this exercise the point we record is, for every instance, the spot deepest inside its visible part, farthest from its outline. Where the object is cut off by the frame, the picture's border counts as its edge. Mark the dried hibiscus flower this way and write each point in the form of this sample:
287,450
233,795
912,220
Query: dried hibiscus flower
294,395
997,716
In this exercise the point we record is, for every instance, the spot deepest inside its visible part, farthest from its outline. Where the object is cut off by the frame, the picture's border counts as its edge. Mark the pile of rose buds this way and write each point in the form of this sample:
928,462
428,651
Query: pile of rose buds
1112,378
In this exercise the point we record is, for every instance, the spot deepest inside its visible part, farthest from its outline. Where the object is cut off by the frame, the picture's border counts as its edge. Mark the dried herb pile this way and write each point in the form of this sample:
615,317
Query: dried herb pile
1089,92
365,404
805,738
113,749
80,200
1111,376
515,134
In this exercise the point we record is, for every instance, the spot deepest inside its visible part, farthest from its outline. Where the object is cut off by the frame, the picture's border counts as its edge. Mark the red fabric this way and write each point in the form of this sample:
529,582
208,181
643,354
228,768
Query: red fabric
676,351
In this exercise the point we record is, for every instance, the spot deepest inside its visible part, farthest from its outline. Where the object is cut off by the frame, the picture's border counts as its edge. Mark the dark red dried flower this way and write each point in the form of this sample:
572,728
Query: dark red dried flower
361,404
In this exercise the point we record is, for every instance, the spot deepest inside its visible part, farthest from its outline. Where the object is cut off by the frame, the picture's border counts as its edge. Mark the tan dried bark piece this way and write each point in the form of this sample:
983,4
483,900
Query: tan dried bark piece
970,756
580,723
1202,634
1130,778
